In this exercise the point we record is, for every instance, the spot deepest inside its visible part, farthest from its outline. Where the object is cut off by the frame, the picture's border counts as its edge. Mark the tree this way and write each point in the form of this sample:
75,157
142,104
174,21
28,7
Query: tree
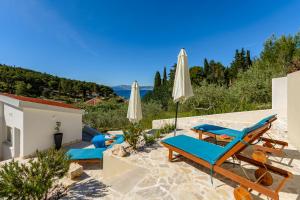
235,65
206,68
248,61
21,88
165,79
46,93
216,75
242,60
157,81
196,74
35,84
172,74
35,179
239,63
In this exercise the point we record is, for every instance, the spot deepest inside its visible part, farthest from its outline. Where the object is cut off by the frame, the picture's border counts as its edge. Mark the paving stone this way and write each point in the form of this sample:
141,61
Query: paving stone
187,180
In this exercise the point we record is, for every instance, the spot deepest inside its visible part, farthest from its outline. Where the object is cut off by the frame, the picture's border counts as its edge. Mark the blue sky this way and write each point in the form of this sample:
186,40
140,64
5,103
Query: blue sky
116,42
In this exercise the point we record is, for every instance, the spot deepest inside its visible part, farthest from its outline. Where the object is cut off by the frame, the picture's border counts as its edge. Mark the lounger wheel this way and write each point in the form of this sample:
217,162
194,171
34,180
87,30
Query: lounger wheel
241,193
265,177
259,156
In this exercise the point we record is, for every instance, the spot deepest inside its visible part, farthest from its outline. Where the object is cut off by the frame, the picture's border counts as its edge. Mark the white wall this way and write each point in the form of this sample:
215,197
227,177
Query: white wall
293,109
235,120
13,117
279,96
39,128
1,127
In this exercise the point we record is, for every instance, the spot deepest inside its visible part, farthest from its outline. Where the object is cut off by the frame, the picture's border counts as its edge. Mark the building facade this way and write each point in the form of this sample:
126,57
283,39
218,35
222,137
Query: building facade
28,124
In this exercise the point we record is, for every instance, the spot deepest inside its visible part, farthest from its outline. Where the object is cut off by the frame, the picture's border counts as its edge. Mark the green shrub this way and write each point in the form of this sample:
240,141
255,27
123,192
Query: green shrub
34,179
133,134
149,139
108,115
167,128
157,134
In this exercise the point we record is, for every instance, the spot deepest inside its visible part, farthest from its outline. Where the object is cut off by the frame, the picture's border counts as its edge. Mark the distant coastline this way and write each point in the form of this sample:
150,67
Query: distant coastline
126,93
124,90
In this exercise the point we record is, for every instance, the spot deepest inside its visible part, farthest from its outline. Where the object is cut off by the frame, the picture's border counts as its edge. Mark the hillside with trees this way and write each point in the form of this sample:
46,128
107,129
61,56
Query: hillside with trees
25,82
243,85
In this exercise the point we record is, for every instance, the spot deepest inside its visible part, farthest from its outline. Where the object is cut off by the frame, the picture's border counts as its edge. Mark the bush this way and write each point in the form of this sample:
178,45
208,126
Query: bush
34,179
164,130
107,115
151,110
168,128
149,139
157,134
133,134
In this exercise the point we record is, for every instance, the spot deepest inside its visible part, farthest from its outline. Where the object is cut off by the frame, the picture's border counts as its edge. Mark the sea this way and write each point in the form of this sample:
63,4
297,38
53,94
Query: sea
126,93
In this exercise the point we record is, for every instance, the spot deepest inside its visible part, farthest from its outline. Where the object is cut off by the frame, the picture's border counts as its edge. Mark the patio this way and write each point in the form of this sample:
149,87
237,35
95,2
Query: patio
156,178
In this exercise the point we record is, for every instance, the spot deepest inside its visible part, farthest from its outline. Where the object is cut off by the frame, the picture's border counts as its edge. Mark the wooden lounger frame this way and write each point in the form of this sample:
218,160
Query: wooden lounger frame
87,161
273,150
234,151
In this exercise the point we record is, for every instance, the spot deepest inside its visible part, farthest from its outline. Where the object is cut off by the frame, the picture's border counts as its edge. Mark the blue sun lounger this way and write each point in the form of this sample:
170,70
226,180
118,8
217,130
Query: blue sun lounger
213,156
92,154
86,155
219,130
269,145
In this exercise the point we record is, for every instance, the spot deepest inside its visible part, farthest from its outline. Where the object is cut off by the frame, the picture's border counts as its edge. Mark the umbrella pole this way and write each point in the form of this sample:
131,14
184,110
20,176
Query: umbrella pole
177,104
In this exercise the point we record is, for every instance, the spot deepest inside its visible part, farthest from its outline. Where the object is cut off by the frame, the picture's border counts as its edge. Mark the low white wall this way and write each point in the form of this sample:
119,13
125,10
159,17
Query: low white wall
236,120
293,108
39,128
279,96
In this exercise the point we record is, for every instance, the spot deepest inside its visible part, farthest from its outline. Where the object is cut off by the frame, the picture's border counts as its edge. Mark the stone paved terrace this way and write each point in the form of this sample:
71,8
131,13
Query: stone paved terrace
160,179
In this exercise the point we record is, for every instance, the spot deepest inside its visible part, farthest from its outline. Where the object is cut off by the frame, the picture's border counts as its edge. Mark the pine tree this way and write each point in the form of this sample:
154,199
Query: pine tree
248,61
172,74
237,64
164,81
242,60
157,80
206,68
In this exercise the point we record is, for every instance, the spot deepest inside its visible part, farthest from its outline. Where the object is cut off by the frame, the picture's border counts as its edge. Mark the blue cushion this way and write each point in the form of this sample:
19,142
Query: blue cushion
257,125
266,119
86,154
199,148
251,128
218,130
118,140
99,141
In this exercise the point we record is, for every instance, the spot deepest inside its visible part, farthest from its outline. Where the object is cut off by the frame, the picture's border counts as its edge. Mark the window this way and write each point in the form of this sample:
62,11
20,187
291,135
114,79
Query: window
9,134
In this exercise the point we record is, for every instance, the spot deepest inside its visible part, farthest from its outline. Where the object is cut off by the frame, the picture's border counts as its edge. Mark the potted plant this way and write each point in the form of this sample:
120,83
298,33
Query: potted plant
58,136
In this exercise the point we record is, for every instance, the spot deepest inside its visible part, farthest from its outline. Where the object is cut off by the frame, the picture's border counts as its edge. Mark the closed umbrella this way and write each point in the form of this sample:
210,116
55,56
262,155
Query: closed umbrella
134,113
182,88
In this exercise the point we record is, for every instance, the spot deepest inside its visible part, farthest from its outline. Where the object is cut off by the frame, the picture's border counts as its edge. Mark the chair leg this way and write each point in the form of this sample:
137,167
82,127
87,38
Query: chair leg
200,136
277,152
170,155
